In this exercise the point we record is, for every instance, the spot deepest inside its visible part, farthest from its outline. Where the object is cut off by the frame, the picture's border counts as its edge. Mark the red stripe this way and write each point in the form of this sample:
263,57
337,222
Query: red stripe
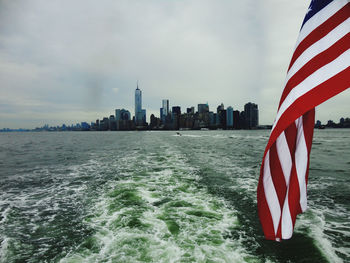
308,124
291,134
294,195
321,31
279,182
279,229
294,191
310,100
316,63
263,209
278,179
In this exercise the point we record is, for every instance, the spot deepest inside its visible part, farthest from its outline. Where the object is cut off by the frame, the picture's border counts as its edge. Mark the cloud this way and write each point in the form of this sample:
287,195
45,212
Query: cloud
84,56
115,90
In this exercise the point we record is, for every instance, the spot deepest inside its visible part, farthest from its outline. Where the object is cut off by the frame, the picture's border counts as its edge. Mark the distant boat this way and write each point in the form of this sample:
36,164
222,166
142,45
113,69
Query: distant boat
204,129
178,133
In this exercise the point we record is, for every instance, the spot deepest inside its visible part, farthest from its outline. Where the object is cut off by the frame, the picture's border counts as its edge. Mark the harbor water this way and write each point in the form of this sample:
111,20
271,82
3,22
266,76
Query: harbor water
162,197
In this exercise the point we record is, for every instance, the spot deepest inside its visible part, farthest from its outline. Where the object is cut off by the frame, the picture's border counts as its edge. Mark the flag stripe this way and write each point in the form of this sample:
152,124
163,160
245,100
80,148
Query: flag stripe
264,210
322,15
321,31
315,79
309,122
284,155
320,46
277,175
294,195
287,223
317,62
314,97
301,154
271,195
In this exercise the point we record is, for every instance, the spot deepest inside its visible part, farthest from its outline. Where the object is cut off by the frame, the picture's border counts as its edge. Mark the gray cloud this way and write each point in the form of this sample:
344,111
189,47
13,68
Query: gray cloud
79,60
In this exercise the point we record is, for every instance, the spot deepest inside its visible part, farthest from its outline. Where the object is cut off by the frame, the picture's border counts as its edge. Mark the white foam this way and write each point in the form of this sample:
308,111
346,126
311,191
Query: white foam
174,181
4,249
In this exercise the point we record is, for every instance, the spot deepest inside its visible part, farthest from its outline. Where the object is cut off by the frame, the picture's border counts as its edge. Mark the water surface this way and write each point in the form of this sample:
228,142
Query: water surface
159,197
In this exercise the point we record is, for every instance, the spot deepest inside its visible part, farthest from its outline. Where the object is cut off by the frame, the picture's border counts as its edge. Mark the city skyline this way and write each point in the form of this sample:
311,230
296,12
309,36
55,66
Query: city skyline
140,119
59,64
175,119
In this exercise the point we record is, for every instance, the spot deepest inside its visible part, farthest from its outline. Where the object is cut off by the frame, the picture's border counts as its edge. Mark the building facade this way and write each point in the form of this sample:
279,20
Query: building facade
140,114
138,106
164,111
229,117
251,115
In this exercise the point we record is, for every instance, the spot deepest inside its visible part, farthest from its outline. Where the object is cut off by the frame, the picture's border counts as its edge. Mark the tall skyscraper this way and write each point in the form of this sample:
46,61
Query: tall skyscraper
251,115
117,114
175,117
140,114
138,106
165,104
176,110
229,117
161,113
203,108
165,110
236,122
143,111
122,114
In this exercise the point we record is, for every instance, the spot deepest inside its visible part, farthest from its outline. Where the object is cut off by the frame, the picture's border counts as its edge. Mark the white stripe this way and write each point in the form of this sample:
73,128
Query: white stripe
287,223
315,79
285,159
320,18
301,159
284,156
318,47
270,194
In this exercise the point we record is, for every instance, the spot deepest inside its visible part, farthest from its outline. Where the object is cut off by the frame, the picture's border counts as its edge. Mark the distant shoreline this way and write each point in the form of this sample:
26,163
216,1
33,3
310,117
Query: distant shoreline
158,130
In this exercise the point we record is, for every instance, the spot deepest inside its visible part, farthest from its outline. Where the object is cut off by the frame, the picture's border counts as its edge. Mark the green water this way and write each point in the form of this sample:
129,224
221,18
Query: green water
158,197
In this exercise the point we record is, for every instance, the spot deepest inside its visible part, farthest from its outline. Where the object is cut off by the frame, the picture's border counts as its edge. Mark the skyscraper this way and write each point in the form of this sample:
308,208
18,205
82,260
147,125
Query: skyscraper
229,117
122,114
164,110
176,110
138,106
236,122
221,116
251,115
117,114
161,113
165,107
203,108
175,117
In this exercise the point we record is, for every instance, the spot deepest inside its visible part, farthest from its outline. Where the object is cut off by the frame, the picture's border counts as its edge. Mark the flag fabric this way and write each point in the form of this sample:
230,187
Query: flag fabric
319,69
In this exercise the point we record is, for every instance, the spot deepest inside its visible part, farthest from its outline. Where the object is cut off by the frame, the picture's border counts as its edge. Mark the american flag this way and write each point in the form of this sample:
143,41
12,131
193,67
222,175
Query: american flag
319,69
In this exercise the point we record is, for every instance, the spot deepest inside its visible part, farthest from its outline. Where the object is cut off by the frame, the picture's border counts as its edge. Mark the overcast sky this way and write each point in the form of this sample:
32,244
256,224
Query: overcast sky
67,61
